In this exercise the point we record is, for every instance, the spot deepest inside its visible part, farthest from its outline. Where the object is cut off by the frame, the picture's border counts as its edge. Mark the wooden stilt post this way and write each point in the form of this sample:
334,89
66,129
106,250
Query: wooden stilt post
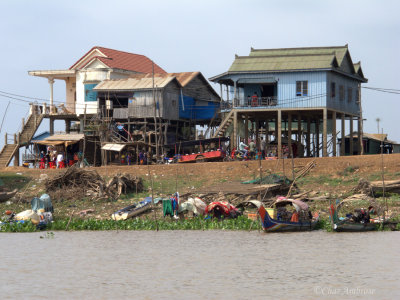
334,137
235,124
246,128
290,132
317,137
308,141
325,133
351,136
343,130
257,134
278,132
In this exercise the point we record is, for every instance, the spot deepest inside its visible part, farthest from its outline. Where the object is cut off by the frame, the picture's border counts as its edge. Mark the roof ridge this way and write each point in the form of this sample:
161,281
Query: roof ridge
301,48
100,47
290,55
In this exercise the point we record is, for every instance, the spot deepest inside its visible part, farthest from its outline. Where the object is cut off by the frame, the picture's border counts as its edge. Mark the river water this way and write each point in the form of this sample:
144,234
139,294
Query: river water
199,265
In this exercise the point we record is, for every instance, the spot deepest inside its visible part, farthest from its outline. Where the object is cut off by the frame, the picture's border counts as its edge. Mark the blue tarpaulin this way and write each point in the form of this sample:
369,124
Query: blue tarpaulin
189,110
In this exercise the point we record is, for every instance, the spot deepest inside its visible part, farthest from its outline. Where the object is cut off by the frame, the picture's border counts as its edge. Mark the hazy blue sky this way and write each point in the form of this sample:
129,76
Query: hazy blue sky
196,36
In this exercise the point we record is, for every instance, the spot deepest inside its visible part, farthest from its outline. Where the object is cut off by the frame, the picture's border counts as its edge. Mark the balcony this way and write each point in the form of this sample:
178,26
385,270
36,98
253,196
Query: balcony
252,102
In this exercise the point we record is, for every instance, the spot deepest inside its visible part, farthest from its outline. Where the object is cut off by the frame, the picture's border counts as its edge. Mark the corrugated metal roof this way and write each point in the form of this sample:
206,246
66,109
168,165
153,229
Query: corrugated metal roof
137,82
113,147
284,62
65,137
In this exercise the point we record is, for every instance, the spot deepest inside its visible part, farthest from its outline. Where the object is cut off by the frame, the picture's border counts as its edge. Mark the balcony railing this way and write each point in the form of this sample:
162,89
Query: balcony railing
256,101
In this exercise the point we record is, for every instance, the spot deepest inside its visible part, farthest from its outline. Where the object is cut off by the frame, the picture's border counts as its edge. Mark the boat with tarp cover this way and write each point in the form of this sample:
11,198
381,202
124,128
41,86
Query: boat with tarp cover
284,221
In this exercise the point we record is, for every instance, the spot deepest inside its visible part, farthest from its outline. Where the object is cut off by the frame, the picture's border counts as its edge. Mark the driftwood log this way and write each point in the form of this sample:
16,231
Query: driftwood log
369,188
392,186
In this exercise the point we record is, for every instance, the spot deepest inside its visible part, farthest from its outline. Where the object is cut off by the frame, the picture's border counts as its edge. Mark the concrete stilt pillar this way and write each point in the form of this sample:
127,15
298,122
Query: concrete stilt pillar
51,126
334,137
51,82
67,126
325,133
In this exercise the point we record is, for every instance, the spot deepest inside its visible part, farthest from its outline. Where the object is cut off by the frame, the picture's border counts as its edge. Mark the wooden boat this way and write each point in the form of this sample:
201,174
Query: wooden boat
132,210
347,225
274,225
4,196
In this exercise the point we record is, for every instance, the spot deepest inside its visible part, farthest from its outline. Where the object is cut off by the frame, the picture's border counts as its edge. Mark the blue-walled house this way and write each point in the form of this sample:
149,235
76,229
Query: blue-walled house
312,87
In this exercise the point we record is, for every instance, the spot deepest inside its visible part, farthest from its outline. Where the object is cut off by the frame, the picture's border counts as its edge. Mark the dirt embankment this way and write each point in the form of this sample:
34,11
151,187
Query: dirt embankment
335,176
210,173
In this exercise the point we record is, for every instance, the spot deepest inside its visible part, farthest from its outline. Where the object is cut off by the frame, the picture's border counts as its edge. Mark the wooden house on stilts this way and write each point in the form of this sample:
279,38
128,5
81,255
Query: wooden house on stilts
292,96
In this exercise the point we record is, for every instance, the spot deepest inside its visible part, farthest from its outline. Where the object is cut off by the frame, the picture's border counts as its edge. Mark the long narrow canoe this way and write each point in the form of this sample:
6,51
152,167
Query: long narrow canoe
132,210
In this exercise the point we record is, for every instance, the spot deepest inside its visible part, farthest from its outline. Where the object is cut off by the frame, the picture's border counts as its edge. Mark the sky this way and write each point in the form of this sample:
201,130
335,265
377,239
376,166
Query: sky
195,36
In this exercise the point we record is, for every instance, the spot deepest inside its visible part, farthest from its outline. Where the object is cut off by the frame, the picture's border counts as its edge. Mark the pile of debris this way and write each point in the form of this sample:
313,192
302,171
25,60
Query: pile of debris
83,183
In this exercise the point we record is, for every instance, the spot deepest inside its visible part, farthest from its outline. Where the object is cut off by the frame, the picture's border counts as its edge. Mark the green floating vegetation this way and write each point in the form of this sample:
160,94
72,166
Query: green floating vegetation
198,223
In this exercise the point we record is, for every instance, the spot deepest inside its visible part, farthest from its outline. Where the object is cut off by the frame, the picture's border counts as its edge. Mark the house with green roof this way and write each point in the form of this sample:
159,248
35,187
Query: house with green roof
312,87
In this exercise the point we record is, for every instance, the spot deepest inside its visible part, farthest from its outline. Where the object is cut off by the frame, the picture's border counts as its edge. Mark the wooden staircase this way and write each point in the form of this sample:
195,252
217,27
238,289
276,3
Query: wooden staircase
28,131
224,125
24,138
7,153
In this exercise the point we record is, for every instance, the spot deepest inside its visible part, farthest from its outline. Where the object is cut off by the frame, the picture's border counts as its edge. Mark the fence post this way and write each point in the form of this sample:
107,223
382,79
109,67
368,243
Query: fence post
5,140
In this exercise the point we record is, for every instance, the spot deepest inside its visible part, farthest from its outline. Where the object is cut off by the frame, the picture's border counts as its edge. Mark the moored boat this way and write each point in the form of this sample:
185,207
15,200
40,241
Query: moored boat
349,225
132,210
280,224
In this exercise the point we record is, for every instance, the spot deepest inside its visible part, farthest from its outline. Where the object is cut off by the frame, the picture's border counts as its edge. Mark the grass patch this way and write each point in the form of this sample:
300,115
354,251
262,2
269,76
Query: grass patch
349,170
198,223
13,181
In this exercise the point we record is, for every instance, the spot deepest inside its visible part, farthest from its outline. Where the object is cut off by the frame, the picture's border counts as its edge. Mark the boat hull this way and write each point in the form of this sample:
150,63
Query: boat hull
272,225
354,227
132,210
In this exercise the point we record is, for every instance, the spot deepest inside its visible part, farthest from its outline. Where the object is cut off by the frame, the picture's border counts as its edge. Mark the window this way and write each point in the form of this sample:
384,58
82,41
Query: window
349,94
90,95
333,90
301,88
341,92
357,96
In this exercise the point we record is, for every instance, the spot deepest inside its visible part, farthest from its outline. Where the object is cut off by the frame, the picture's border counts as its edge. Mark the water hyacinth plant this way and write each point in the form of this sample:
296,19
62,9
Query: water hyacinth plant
197,223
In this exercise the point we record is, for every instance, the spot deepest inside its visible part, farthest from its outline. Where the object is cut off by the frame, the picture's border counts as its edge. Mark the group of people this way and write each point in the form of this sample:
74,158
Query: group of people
53,159
129,158
251,150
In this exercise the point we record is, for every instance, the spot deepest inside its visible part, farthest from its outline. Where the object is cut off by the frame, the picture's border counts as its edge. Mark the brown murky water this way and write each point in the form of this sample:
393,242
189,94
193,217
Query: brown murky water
200,265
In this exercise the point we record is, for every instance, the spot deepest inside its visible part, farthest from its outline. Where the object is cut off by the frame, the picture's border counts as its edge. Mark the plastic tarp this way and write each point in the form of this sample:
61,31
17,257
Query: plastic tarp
44,202
189,108
225,206
299,205
196,205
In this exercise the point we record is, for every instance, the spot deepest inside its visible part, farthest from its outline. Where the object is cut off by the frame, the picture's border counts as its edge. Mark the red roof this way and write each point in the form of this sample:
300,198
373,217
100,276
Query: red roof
120,60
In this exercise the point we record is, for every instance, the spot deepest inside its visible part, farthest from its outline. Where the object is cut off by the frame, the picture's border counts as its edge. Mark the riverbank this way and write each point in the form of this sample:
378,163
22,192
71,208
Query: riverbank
331,179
